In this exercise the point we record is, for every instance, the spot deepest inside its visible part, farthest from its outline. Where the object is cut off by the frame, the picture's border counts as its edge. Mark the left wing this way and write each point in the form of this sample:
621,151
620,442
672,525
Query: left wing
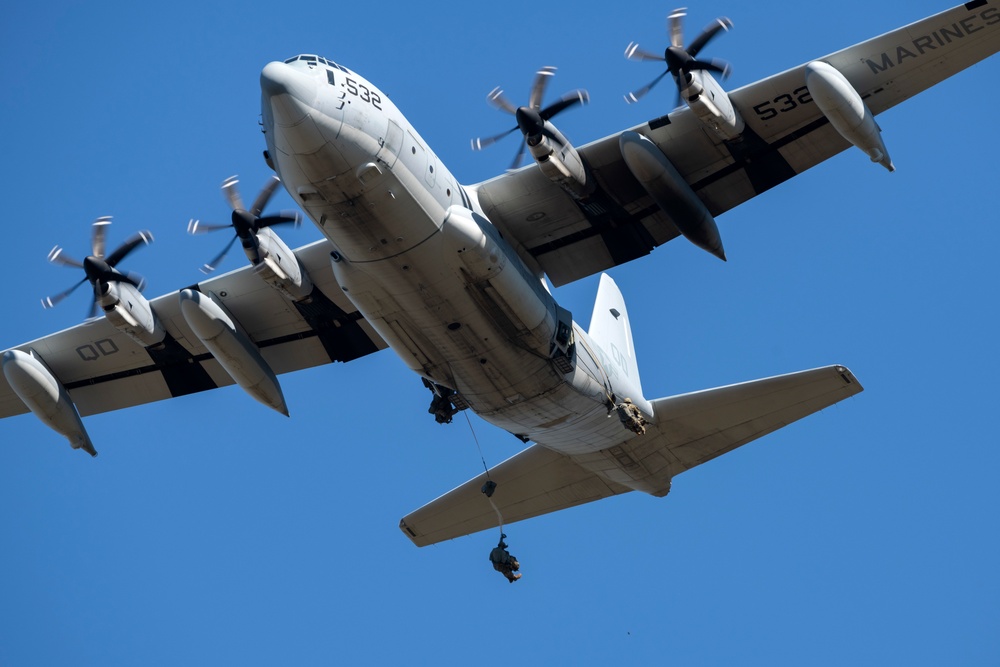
785,134
103,369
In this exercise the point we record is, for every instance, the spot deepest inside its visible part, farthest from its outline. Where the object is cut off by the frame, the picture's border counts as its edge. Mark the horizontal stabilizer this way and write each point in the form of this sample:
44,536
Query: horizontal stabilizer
690,429
705,424
534,482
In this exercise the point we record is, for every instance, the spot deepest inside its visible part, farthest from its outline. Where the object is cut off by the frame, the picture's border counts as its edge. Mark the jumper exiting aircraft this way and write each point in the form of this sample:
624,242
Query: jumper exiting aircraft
455,278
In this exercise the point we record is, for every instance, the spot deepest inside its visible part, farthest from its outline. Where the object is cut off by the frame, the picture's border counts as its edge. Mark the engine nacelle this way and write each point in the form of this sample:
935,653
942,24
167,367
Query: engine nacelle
561,163
846,111
129,311
711,104
232,348
671,192
280,268
46,397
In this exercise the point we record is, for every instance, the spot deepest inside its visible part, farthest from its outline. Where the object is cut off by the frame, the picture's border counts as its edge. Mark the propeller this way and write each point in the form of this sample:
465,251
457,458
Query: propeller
245,222
531,119
680,61
99,269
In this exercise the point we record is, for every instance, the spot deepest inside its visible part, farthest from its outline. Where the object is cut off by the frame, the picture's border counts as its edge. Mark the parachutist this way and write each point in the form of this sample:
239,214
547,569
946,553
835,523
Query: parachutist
630,417
503,562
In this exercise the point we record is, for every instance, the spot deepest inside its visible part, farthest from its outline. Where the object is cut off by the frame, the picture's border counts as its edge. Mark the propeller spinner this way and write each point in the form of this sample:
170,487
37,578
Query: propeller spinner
245,222
99,269
532,118
680,61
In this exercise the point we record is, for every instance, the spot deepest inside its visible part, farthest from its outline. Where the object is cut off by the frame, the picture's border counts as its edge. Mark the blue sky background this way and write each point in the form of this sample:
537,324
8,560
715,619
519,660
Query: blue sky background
214,531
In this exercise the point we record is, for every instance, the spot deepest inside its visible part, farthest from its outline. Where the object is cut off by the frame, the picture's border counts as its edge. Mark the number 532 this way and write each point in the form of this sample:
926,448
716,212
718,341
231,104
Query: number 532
783,103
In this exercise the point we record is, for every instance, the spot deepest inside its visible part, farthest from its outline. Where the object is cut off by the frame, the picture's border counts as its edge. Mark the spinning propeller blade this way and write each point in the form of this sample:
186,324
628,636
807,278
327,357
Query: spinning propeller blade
99,270
680,61
245,223
532,118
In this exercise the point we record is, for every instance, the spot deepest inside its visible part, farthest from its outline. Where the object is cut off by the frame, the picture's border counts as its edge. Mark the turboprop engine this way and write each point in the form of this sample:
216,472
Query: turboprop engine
272,259
118,294
695,84
554,154
846,111
560,162
129,311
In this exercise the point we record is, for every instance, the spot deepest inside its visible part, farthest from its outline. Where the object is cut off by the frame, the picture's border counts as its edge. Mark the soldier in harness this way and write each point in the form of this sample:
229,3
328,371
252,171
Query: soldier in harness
503,562
631,417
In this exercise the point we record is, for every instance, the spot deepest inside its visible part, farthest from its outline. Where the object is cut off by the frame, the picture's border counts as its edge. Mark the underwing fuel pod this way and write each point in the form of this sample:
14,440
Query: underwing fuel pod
846,111
232,348
46,397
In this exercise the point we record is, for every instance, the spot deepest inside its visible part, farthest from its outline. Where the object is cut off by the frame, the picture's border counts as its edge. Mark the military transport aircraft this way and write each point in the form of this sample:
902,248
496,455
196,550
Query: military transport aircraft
454,278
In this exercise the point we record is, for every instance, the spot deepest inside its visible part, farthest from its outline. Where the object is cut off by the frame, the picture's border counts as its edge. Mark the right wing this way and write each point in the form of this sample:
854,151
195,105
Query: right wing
103,369
687,430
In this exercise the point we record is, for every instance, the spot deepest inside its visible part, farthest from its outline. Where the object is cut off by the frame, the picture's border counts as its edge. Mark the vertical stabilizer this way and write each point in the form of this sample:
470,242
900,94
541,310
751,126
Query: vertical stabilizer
611,331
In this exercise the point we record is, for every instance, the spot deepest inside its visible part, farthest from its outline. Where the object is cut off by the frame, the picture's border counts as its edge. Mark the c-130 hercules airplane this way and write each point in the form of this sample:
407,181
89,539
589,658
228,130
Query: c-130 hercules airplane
454,279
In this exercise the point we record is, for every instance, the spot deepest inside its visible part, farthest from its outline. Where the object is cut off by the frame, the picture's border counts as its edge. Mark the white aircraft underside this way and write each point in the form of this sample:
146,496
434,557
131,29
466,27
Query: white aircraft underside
453,278
454,301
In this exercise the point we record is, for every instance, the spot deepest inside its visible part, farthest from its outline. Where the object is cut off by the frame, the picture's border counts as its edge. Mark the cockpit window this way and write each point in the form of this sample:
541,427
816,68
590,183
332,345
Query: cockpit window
314,61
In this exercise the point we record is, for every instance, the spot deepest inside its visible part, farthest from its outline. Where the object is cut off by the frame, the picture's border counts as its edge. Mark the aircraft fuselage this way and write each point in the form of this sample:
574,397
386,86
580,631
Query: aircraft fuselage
418,258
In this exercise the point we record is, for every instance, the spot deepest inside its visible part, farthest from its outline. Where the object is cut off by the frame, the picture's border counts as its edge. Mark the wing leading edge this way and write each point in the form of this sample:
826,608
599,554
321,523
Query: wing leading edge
687,430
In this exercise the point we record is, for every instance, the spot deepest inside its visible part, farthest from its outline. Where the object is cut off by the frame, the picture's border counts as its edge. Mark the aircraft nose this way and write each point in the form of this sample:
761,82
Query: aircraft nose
291,93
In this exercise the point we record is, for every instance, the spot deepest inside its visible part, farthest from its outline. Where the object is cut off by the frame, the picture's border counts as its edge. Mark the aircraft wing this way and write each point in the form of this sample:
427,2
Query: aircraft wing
103,369
687,430
786,134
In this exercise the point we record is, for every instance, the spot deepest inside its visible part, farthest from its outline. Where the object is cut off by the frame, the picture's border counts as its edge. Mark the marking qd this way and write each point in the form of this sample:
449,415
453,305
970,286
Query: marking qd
99,348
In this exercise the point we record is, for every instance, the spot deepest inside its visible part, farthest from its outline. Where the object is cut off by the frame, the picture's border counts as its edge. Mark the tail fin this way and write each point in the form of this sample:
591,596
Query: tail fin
611,331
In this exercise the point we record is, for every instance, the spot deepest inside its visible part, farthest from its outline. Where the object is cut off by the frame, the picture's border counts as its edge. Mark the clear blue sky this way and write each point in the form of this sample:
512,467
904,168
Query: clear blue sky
213,531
